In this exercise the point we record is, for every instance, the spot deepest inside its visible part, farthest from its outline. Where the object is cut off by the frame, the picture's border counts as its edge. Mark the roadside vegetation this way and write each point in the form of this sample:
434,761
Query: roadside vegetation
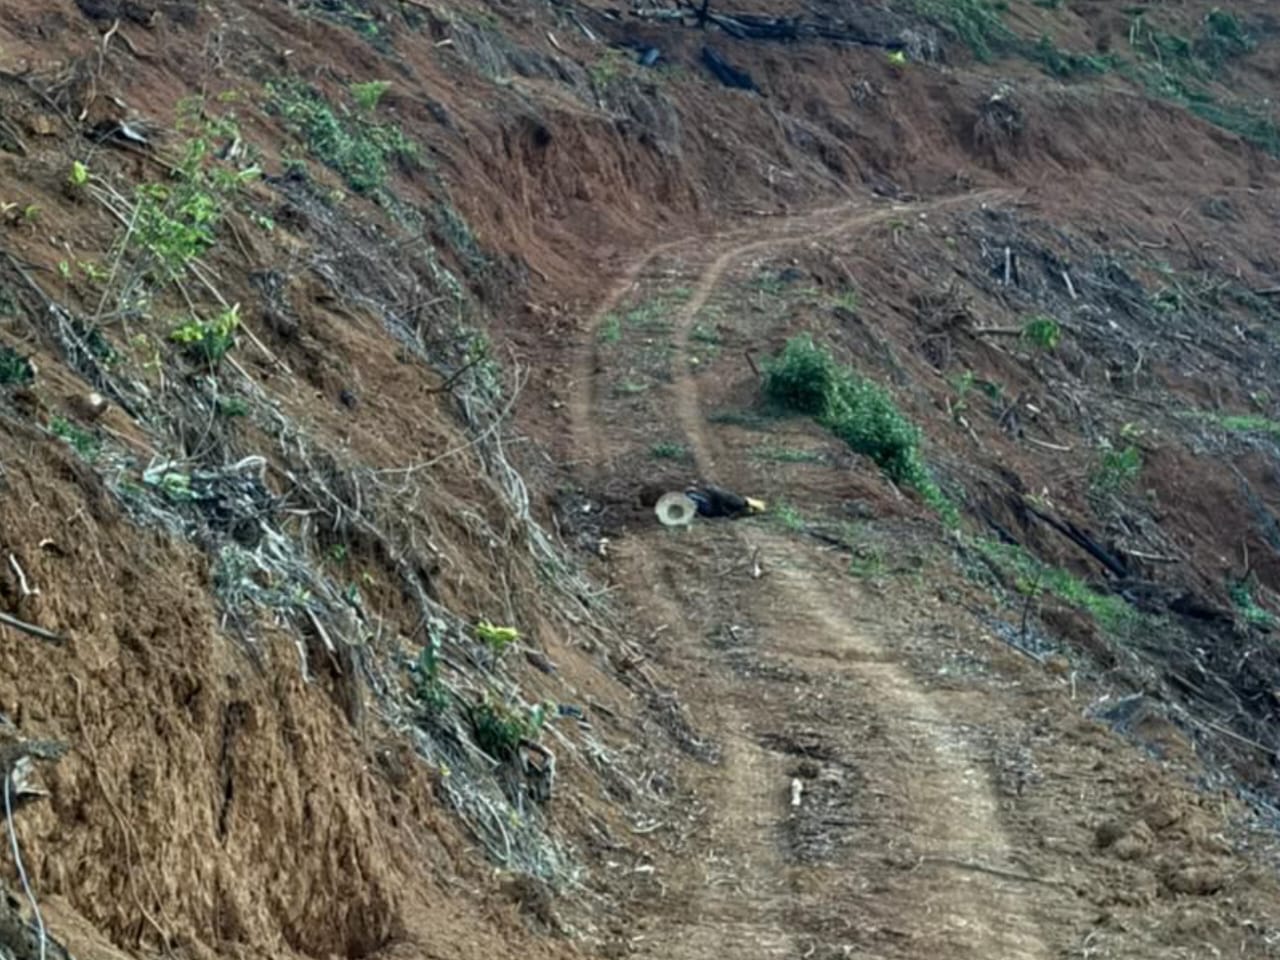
805,378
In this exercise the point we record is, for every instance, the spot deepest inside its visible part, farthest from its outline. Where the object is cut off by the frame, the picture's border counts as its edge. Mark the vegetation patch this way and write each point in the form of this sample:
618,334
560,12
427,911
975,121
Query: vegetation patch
786,455
1118,470
1032,579
669,450
975,22
82,441
806,379
347,141
1067,65
1241,422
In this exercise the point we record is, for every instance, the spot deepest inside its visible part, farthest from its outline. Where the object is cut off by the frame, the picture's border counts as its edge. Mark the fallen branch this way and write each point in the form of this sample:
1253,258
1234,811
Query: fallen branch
1195,254
1048,446
26,589
993,871
1153,558
9,620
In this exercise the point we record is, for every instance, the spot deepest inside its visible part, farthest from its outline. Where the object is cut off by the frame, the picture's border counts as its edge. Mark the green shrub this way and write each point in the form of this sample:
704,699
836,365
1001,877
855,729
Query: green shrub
1043,332
801,378
499,728
368,94
805,378
354,146
1118,469
209,340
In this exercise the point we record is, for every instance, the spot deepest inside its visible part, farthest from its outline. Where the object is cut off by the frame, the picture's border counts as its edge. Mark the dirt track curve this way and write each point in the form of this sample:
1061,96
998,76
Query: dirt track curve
746,891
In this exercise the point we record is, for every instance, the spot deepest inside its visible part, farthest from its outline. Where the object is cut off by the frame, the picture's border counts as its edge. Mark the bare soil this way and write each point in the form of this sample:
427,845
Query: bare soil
838,730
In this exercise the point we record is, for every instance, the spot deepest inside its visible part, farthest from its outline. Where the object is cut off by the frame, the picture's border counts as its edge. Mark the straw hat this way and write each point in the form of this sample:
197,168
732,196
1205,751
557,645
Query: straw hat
675,510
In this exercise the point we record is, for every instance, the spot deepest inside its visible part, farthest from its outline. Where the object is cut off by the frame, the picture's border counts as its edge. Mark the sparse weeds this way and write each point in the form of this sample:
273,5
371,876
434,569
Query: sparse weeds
786,455
847,299
746,419
650,315
789,517
352,144
1180,69
976,22
669,450
607,69
82,441
1241,422
805,378
1030,577
1066,65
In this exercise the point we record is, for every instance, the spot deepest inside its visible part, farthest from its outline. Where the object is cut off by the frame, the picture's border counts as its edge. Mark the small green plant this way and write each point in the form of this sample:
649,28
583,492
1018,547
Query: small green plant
209,341
176,486
31,214
1242,596
496,639
79,175
1045,333
432,693
338,553
704,333
611,329
847,299
499,729
369,93
82,441
15,369
1244,423
233,407
868,562
669,450
93,271
263,222
1118,469
789,517
607,68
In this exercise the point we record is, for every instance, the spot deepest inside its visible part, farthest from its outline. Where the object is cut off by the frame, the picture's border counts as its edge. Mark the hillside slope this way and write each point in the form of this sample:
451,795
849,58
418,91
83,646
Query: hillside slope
339,339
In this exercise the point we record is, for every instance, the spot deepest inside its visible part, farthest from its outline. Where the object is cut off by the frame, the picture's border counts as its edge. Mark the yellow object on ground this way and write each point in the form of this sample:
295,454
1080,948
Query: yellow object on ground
755,506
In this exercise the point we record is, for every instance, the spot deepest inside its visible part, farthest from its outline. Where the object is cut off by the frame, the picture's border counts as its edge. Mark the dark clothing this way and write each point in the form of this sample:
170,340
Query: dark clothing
714,502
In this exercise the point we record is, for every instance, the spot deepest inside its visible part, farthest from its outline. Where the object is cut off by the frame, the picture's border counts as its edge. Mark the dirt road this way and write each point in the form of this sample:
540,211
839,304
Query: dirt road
748,892
891,781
